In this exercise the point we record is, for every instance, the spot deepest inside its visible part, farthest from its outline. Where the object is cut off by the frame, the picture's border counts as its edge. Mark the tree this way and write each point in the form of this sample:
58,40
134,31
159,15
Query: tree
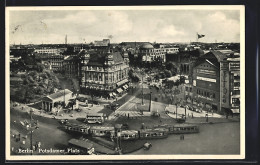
182,80
170,66
168,73
20,95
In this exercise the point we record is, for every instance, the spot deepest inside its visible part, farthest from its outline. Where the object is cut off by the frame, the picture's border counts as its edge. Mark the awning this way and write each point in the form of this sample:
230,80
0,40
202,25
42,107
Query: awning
122,82
119,90
235,110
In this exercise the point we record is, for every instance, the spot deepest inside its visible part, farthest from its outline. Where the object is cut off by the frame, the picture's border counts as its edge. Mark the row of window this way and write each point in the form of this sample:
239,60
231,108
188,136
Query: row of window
206,94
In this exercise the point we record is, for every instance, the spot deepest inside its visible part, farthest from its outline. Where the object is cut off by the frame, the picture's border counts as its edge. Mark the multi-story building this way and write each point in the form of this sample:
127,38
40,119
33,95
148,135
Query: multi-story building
149,53
234,72
55,61
48,51
104,42
215,83
70,66
104,73
206,82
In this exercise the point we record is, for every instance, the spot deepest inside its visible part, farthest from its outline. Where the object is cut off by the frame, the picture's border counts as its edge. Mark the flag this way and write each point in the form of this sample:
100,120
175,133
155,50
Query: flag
200,35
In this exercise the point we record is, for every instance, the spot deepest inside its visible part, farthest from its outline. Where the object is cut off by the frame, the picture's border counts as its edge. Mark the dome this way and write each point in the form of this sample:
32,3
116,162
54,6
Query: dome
147,46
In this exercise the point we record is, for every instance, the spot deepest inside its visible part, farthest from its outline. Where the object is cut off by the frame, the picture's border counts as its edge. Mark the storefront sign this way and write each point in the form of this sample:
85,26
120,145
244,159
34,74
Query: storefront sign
206,79
199,96
194,82
234,66
204,71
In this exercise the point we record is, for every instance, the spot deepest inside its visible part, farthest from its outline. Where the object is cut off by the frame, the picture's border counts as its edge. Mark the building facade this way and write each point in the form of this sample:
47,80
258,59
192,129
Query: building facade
70,66
49,102
55,61
149,53
104,42
234,72
104,74
214,84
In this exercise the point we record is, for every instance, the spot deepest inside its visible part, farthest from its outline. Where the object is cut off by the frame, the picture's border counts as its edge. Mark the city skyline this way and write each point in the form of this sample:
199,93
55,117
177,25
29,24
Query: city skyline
51,27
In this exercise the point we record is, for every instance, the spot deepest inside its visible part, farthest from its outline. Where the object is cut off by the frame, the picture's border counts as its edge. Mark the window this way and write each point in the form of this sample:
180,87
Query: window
237,84
207,94
235,101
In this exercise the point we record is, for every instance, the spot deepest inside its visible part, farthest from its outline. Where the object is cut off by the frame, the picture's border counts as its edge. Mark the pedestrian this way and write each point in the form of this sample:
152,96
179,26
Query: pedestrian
191,115
182,137
128,115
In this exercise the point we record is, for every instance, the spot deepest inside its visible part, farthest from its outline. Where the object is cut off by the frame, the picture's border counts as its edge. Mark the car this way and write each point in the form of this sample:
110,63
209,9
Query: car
82,99
147,146
180,120
64,121
115,106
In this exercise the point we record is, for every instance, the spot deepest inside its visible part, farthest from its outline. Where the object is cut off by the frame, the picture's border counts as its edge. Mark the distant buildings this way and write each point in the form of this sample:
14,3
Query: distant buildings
54,61
50,51
149,53
104,42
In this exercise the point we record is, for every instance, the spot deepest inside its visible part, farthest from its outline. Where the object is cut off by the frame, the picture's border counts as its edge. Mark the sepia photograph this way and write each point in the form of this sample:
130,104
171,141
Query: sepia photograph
125,82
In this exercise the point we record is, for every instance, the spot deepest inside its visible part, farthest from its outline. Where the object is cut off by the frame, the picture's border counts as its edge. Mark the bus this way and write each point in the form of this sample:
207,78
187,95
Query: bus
95,118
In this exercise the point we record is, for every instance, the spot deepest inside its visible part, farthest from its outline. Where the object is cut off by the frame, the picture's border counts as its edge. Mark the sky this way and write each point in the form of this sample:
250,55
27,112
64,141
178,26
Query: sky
85,26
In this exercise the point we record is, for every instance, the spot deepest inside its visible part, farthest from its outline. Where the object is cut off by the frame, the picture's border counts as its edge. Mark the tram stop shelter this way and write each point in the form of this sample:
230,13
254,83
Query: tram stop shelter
59,96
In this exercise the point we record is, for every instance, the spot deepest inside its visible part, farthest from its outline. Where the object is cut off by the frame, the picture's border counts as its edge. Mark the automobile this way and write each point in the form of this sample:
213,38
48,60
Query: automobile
82,99
147,146
64,121
180,120
189,108
115,106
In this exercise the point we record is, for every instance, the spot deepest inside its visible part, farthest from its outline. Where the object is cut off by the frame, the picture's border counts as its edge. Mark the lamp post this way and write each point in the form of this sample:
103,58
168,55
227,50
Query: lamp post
31,128
176,110
142,91
185,110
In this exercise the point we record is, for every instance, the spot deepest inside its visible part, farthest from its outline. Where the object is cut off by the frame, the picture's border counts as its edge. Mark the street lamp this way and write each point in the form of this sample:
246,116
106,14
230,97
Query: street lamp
142,91
32,126
176,110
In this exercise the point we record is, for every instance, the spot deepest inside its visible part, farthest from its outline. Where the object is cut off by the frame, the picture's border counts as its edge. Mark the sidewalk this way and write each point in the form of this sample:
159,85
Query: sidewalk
199,118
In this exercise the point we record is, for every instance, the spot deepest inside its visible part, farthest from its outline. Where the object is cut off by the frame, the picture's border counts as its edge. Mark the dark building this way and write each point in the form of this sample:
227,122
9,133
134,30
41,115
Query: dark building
70,66
214,83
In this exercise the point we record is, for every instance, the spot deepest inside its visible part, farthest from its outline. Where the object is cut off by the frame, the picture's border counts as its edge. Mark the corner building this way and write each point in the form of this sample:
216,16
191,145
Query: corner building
104,73
206,83
215,83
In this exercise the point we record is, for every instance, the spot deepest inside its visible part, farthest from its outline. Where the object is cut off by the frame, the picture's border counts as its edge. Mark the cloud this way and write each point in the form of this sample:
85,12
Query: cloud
124,25
171,31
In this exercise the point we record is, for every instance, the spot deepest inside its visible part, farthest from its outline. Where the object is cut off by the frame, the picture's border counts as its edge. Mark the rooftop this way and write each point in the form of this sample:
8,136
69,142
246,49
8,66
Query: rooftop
146,46
59,94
